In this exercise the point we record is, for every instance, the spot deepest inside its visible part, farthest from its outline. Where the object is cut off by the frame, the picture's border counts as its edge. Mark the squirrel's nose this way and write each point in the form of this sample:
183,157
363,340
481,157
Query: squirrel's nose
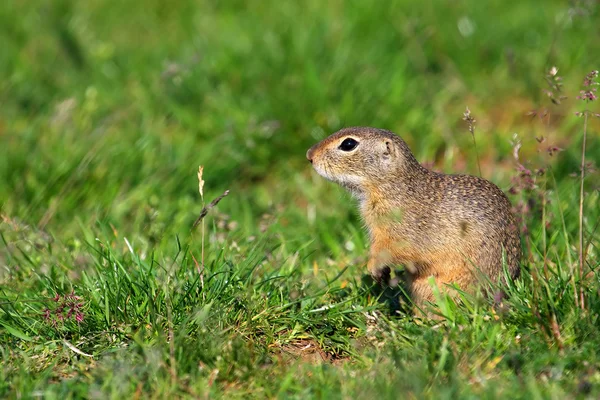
309,155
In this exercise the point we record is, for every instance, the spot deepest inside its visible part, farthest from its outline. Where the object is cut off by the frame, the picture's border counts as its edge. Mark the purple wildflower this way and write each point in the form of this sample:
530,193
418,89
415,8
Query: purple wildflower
68,307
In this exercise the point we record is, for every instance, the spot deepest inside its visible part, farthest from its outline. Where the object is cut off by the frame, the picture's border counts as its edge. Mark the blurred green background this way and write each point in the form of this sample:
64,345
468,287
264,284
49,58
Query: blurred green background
107,108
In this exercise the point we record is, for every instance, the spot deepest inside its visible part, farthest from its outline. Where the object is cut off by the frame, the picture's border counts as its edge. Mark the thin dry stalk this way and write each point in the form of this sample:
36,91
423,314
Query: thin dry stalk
581,239
471,124
556,333
202,259
201,274
206,209
554,93
544,233
171,337
201,190
203,213
588,94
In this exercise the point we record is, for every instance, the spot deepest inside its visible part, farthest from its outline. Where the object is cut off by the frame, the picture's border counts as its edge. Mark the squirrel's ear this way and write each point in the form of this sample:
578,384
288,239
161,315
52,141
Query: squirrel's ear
389,149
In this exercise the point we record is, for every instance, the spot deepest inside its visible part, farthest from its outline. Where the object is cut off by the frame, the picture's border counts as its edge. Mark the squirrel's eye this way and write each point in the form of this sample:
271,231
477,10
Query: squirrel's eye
348,144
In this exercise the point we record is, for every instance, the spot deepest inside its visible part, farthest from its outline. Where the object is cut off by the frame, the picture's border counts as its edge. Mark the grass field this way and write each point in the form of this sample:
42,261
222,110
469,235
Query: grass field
108,108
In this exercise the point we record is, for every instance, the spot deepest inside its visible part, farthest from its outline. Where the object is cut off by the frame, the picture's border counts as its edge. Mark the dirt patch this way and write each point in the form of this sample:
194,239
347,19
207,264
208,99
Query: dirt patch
308,351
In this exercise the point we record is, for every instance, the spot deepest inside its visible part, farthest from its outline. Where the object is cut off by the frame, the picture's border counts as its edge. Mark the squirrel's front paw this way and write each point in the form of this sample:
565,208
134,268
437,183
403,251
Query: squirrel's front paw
381,274
378,266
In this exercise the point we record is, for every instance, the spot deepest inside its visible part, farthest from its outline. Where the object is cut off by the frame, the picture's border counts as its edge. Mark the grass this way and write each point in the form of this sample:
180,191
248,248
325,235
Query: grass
108,109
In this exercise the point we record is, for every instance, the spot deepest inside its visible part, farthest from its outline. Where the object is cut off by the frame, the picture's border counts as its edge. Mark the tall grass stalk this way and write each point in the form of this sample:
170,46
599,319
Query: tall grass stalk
587,94
471,124
581,195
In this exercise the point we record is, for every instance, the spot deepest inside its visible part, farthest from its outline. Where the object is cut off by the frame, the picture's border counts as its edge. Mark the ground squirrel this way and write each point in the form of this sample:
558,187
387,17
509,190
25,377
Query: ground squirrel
454,228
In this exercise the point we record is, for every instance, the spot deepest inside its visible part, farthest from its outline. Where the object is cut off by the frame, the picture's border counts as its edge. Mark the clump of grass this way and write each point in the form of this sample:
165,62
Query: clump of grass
532,186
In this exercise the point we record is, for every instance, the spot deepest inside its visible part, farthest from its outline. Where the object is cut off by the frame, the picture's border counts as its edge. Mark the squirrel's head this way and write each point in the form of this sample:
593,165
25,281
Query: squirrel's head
357,158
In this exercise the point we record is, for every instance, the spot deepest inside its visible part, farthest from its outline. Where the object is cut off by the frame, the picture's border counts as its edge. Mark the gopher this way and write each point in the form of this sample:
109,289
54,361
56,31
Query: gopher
456,229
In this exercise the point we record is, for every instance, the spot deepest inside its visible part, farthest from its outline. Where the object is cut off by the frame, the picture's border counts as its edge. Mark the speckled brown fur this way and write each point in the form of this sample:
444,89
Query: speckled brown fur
455,228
